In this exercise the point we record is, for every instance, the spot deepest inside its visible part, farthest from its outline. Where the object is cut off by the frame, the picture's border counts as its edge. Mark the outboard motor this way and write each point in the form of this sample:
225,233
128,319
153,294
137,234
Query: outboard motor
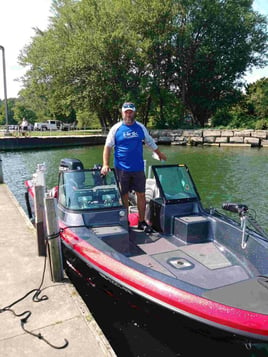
73,165
70,164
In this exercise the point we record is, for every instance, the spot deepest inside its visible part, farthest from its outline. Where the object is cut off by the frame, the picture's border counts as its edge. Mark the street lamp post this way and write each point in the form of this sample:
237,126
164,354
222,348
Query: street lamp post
5,87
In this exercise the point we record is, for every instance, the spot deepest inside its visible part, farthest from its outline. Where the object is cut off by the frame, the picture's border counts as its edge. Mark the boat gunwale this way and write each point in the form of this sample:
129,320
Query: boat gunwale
200,308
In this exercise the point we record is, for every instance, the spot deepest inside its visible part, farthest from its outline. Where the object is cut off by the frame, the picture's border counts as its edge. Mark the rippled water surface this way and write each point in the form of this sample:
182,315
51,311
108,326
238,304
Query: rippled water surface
221,174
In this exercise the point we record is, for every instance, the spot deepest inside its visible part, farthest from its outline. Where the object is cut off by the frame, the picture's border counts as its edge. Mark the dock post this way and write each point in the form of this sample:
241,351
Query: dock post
54,243
1,172
39,219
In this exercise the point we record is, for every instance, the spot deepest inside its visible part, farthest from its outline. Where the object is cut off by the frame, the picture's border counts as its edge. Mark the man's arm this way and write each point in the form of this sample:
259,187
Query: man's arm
149,141
161,155
106,159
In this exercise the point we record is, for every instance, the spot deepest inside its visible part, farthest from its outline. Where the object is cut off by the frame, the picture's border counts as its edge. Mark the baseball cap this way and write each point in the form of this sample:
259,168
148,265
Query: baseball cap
128,106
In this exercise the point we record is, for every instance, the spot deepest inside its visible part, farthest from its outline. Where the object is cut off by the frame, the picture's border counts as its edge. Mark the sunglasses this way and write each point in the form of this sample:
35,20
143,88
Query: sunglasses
129,106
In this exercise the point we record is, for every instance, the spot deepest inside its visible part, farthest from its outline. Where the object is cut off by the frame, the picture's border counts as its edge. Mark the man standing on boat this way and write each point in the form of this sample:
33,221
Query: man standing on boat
127,137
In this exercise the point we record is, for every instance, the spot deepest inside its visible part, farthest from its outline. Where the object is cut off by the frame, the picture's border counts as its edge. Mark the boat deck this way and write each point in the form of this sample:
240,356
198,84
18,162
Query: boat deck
206,266
251,295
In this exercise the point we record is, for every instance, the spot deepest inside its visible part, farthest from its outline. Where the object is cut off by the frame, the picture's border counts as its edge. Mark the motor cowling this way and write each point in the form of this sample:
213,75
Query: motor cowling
70,164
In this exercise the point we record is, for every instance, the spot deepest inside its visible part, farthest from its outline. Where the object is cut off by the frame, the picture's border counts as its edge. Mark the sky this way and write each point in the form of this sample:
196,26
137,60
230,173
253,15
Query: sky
19,17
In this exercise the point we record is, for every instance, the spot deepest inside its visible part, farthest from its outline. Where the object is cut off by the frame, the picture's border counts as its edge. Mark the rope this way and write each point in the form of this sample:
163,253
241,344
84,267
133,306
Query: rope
53,236
256,225
26,314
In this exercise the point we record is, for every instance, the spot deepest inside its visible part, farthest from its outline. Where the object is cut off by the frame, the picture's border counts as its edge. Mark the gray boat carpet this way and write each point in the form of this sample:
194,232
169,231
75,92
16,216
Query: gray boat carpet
249,295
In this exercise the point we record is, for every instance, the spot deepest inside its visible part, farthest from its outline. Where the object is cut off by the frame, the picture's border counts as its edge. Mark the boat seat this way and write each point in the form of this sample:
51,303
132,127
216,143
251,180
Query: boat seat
151,190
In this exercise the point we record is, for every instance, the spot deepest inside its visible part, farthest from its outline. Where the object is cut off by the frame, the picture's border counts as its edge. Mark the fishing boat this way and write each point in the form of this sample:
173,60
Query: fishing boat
197,263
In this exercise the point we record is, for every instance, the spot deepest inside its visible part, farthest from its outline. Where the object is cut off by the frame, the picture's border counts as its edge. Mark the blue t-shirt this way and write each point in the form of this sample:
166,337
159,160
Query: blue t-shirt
128,145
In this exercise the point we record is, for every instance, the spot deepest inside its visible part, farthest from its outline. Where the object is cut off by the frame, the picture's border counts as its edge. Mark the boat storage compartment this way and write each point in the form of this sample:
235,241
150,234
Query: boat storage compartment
115,236
191,229
162,215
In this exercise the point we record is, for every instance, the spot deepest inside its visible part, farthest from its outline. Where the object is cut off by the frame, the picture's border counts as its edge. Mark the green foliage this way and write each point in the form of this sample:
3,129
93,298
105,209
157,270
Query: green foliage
21,111
169,114
257,97
222,118
242,121
87,120
10,111
250,110
168,57
218,43
261,124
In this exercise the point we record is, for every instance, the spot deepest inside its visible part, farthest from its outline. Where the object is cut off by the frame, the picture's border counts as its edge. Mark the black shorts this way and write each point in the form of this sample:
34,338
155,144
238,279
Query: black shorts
129,181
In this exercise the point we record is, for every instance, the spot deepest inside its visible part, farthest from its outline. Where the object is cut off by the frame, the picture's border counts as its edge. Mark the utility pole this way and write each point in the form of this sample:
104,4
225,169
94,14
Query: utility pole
5,88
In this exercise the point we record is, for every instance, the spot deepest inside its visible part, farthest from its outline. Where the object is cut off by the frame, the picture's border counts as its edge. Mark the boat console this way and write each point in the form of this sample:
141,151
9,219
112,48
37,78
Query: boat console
177,210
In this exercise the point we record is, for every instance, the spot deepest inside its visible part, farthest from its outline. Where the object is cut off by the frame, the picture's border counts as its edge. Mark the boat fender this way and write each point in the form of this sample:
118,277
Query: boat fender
27,201
55,191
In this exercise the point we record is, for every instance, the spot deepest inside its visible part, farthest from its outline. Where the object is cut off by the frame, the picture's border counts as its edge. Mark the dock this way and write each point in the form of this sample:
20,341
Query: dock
45,142
60,325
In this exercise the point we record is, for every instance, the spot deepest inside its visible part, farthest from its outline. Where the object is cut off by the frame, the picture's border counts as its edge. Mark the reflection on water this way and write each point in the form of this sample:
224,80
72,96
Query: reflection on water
221,174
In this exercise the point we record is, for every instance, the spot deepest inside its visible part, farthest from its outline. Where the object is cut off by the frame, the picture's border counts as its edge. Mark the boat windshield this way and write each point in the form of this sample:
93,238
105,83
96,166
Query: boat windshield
88,189
175,183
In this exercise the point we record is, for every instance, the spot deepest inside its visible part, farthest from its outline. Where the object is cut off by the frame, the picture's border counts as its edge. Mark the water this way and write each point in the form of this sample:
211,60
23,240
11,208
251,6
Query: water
221,175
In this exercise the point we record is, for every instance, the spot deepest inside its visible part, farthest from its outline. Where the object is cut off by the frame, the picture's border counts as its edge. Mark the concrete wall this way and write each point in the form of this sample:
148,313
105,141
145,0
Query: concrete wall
212,137
29,143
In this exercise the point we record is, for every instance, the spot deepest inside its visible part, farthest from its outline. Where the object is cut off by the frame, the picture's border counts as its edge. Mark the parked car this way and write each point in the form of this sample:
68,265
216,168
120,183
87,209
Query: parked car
13,127
48,125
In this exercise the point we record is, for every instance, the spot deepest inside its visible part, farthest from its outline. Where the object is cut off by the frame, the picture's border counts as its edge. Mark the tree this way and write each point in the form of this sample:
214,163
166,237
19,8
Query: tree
215,43
251,110
170,57
22,111
257,98
10,111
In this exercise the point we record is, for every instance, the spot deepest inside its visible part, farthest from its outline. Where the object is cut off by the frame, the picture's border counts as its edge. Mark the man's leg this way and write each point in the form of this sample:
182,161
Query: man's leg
123,180
125,200
141,203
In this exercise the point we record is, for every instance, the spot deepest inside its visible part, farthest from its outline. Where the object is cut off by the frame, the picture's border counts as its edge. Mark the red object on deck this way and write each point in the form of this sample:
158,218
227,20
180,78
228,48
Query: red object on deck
133,219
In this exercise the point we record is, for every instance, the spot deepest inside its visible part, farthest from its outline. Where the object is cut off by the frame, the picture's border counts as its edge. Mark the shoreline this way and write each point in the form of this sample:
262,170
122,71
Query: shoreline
194,137
48,142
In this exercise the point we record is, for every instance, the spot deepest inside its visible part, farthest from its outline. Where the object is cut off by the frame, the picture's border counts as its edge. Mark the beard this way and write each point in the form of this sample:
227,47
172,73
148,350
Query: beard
129,120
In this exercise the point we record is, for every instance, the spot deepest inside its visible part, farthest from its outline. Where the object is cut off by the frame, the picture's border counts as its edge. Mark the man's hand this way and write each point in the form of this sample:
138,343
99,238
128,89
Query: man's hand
105,169
161,155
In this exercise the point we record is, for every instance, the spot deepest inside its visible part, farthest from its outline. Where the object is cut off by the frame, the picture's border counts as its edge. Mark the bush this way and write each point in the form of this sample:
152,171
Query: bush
221,118
261,124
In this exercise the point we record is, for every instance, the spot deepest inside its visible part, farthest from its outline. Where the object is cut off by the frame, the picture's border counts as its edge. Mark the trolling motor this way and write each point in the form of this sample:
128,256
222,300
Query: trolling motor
241,209
235,207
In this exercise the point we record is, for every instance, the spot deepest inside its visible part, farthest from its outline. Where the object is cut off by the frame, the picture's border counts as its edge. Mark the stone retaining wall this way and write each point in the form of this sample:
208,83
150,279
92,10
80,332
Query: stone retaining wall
213,137
209,137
